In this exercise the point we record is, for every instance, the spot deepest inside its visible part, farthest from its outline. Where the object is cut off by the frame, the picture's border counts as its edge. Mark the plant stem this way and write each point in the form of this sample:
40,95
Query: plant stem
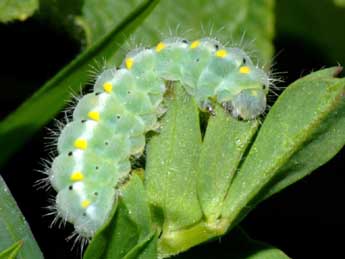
174,242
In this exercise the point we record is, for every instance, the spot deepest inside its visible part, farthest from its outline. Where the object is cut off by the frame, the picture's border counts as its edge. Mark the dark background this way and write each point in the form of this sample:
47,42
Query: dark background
306,220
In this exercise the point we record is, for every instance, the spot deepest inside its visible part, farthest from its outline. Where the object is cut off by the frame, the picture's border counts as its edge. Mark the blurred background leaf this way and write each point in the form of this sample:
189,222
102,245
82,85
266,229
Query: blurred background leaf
316,25
98,16
17,9
62,16
13,228
229,20
340,2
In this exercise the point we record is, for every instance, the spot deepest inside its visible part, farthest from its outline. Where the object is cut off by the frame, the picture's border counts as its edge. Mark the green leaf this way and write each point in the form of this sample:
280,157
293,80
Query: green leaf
17,9
13,228
340,3
223,146
309,114
147,250
28,118
228,20
241,246
170,175
12,251
129,232
99,16
324,144
237,245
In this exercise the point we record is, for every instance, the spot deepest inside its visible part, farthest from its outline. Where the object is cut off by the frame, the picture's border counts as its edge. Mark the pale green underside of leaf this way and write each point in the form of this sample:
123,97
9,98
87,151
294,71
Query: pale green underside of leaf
14,229
17,9
225,141
171,164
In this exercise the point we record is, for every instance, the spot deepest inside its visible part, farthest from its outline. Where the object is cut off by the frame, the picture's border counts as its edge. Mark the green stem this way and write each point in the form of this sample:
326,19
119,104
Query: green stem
174,242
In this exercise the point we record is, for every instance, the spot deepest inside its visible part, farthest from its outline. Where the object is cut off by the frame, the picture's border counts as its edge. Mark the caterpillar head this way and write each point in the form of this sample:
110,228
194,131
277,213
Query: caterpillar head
248,104
245,88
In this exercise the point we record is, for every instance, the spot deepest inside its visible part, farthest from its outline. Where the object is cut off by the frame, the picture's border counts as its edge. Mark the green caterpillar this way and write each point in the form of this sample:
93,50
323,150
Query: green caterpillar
109,124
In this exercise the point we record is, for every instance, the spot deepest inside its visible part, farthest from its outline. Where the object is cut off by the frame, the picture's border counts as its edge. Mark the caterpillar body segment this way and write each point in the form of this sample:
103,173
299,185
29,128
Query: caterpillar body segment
109,124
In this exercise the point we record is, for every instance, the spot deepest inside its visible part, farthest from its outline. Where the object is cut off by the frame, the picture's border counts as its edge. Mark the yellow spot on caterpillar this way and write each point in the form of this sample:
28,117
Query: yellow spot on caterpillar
93,115
107,86
254,93
222,53
195,44
85,203
77,176
160,46
80,143
129,63
244,70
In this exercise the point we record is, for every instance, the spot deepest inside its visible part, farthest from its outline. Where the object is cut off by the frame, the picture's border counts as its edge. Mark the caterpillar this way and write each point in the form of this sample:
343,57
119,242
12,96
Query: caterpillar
109,124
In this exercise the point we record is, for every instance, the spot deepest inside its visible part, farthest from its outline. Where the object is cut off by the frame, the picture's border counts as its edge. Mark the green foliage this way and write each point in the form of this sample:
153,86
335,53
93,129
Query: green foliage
52,97
195,18
219,158
177,147
340,2
96,21
12,251
307,115
15,235
198,184
17,9
326,137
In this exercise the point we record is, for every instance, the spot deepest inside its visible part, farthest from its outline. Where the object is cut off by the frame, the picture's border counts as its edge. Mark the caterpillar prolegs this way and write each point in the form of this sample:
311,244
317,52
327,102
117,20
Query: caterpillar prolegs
109,124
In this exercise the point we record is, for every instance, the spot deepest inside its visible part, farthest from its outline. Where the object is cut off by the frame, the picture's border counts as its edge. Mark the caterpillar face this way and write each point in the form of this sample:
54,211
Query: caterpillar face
248,104
245,91
109,125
